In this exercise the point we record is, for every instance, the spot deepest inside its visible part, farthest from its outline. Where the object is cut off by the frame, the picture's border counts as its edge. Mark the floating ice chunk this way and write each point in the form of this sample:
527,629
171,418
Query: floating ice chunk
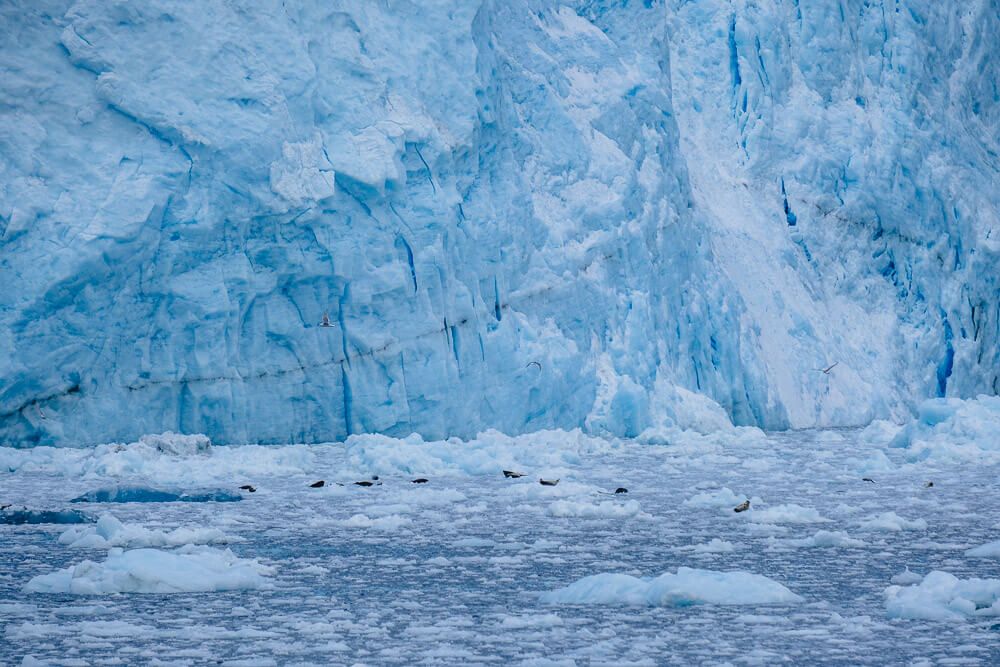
790,513
723,497
473,543
178,444
530,621
189,569
941,596
826,538
489,453
905,578
880,432
990,550
391,522
589,510
687,587
714,546
110,532
890,521
23,515
141,494
950,429
142,460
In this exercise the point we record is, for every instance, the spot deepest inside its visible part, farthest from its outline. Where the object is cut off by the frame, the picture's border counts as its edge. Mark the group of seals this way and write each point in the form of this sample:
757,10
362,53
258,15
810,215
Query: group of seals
509,474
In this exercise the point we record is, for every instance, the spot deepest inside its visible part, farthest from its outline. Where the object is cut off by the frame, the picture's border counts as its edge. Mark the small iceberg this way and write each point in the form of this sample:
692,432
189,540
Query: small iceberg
110,532
190,569
687,587
941,596
22,515
142,494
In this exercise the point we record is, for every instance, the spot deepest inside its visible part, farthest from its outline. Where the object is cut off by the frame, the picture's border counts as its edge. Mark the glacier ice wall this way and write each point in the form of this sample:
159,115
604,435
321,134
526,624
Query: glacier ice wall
854,148
517,214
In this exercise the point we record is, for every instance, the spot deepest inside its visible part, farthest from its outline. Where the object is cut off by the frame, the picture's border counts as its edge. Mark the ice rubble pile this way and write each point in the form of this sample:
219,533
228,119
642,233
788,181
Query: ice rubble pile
162,459
518,215
952,430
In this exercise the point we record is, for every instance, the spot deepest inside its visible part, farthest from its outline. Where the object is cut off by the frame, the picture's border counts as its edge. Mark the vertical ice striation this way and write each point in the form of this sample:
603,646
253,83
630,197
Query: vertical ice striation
854,149
517,215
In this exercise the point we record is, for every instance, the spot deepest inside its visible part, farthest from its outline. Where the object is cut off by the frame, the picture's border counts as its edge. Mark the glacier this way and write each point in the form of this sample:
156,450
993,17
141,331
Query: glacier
518,215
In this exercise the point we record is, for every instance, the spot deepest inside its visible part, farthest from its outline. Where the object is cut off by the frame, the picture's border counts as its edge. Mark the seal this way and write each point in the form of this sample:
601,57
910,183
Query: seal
742,507
621,489
510,474
317,485
420,480
248,487
548,482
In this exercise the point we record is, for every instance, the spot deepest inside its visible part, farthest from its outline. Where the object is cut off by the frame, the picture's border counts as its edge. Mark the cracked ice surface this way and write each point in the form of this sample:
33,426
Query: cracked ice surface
452,572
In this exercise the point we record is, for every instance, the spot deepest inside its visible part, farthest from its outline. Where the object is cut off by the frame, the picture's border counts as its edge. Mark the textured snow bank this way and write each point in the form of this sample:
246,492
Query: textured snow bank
949,429
688,586
189,569
110,532
941,596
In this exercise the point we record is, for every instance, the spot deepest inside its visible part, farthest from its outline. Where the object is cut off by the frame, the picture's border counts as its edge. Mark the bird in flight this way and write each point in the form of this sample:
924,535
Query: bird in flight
826,371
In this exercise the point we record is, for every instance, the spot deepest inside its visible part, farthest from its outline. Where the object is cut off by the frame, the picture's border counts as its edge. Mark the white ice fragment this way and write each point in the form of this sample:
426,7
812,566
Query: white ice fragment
941,596
685,587
189,569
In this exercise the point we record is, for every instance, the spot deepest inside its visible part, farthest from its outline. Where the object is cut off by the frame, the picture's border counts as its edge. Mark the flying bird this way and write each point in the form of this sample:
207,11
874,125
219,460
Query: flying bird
826,371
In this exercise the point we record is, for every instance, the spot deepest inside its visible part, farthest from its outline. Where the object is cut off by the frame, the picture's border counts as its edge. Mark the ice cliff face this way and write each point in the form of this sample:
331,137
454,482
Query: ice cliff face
517,214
